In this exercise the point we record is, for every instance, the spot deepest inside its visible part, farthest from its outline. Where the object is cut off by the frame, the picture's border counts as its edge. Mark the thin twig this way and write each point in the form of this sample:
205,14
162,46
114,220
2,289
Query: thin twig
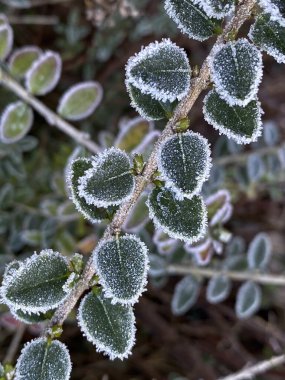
14,345
257,369
51,117
33,20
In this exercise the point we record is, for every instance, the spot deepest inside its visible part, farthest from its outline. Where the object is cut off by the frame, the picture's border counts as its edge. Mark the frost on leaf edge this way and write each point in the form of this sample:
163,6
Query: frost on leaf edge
211,12
24,49
273,11
10,39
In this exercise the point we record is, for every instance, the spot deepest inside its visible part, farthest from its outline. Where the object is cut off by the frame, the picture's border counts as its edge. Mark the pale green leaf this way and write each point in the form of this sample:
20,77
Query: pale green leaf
22,59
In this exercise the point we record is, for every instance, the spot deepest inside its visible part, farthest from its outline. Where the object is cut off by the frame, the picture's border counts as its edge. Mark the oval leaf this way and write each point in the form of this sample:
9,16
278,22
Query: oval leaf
217,8
184,161
109,181
218,289
218,205
15,123
181,219
132,133
36,286
161,70
44,74
259,252
41,360
6,40
236,70
121,264
110,327
275,8
185,295
22,59
248,300
242,124
80,101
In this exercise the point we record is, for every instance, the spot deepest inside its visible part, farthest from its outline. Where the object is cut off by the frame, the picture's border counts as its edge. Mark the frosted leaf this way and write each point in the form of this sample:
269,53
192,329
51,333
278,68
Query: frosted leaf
185,295
121,264
111,328
80,100
218,289
6,40
275,8
255,167
165,245
36,286
248,300
157,266
161,70
217,8
44,74
132,133
138,216
240,123
41,360
184,161
191,19
271,134
145,105
77,169
31,318
269,35
259,252
22,59
218,207
181,219
16,121
202,252
236,70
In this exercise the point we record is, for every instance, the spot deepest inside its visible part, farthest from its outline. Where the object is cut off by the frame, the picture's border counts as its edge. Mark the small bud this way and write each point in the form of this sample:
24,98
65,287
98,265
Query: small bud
76,263
182,125
55,332
138,164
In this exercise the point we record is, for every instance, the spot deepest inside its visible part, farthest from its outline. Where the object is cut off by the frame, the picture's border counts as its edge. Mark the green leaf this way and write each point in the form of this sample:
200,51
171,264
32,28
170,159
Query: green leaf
242,124
132,133
191,19
269,36
76,170
160,70
275,8
217,8
80,101
218,289
41,360
259,252
110,327
15,123
248,300
219,207
185,295
37,285
236,70
6,40
44,74
109,181
121,264
31,318
181,219
184,161
22,59
138,216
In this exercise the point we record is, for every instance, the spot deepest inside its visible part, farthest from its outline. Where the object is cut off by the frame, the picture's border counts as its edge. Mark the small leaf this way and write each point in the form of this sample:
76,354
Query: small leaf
132,133
41,360
138,216
236,70
191,19
269,36
181,219
161,70
6,40
271,133
217,8
110,327
44,74
30,318
242,124
275,8
22,59
259,252
219,207
121,264
184,161
15,123
255,168
109,181
80,101
185,295
157,266
76,170
165,245
36,286
202,251
248,300
218,289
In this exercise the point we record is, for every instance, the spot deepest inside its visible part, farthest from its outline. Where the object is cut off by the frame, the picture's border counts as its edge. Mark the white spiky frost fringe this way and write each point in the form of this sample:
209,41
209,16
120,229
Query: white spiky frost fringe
210,11
37,63
151,89
10,39
100,347
25,49
107,291
239,139
273,11
10,108
127,126
25,350
77,87
99,160
170,184
231,100
11,276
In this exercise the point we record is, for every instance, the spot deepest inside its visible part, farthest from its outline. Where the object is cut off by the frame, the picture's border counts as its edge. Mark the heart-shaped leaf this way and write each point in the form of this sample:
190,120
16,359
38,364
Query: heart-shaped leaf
248,300
259,252
275,8
41,360
236,70
22,59
161,70
6,40
15,123
242,124
121,264
109,181
184,162
80,101
44,74
217,8
110,327
185,295
184,219
218,289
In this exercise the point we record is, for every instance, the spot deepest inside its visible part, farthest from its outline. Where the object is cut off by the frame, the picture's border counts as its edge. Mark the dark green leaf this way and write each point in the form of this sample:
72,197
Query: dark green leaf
185,295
